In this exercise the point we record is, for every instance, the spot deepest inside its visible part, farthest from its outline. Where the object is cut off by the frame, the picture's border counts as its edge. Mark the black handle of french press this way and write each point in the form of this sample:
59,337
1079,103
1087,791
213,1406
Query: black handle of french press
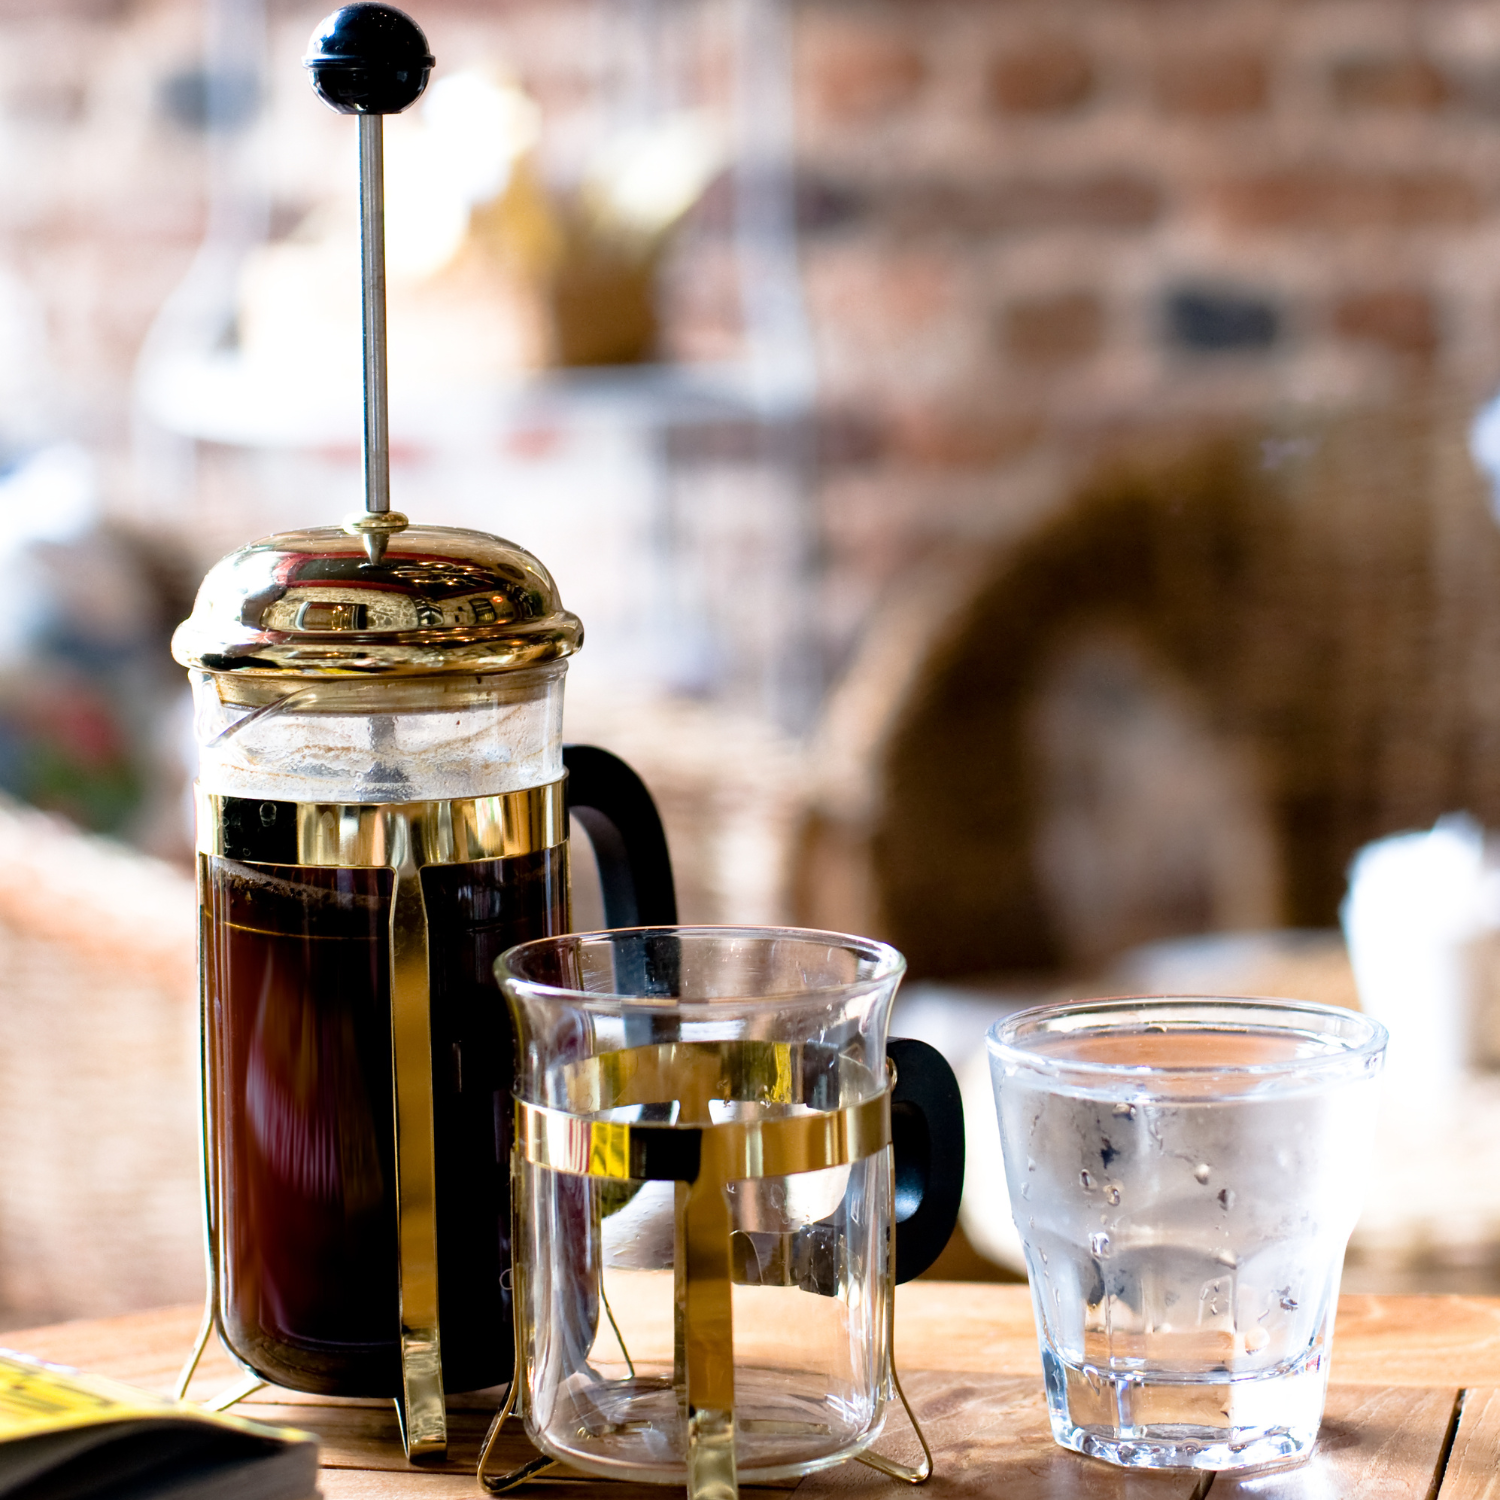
624,827
927,1137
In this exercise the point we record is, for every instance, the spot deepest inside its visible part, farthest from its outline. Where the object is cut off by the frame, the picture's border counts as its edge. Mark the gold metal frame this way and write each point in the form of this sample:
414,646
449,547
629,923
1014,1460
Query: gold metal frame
369,835
701,1159
403,838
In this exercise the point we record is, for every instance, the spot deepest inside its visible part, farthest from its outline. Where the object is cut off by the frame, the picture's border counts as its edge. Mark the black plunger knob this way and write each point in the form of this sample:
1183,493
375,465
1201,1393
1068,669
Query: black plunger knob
368,60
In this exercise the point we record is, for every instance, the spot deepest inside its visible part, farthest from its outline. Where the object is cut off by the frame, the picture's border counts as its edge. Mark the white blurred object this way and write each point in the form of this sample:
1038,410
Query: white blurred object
458,154
477,127
1484,447
1417,905
985,1212
51,496
643,180
298,312
1421,919
954,1019
28,390
641,1236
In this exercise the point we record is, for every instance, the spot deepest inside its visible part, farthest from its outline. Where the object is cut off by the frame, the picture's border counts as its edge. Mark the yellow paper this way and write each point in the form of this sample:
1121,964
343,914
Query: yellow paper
36,1398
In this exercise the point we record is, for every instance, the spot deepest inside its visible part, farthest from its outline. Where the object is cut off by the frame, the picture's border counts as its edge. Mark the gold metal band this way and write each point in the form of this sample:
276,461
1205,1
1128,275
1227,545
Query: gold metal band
674,1153
356,835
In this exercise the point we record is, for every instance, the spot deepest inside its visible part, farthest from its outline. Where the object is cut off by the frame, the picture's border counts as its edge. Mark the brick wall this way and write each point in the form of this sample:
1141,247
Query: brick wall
1032,225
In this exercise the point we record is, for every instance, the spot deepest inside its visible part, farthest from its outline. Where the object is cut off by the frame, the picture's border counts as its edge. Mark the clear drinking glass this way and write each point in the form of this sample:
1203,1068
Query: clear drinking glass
698,1027
1185,1174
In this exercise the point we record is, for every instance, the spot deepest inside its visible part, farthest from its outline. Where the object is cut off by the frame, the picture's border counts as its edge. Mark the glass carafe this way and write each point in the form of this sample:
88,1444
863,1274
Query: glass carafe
718,1182
383,802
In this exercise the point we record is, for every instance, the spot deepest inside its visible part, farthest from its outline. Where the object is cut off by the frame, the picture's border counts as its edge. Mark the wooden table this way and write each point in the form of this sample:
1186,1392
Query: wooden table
1413,1409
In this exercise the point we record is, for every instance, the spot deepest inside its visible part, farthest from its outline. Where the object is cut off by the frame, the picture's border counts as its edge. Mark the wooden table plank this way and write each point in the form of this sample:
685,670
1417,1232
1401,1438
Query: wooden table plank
1417,1341
992,1437
1379,1443
369,1484
1473,1471
145,1348
970,1363
966,1327
368,1437
958,1326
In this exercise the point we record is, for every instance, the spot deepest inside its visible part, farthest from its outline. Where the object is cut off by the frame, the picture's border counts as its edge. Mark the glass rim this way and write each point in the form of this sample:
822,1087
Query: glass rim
890,966
1368,1042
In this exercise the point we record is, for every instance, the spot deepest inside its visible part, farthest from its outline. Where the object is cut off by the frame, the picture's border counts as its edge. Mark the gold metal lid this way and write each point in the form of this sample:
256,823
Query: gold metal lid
440,599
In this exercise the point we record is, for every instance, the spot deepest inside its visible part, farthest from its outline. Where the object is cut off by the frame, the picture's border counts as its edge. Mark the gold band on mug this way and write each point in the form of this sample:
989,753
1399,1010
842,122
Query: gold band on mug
403,838
702,1157
674,1153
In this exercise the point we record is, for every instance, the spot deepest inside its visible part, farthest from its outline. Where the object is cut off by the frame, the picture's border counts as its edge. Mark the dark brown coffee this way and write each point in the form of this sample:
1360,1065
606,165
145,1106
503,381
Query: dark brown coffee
298,1024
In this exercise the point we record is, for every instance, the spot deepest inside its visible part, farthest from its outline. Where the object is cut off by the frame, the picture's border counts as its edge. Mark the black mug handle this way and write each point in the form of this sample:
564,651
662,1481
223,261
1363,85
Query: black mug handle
622,823
927,1137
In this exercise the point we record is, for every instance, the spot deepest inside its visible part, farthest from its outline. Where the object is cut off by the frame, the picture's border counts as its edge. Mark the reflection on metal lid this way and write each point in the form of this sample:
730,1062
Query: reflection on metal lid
441,599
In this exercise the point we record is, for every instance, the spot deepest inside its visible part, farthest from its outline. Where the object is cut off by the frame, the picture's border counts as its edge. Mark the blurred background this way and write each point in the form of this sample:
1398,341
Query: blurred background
1023,468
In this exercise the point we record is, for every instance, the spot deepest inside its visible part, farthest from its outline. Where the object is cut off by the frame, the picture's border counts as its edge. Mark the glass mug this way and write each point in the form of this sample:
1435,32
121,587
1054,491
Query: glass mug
717,1181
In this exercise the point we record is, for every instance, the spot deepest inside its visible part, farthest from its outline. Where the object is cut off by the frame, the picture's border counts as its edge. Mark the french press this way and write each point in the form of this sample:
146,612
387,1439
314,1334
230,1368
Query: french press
382,809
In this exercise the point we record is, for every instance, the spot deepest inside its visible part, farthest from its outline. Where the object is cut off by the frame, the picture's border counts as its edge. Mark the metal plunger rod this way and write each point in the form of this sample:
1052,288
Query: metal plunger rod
371,60
372,256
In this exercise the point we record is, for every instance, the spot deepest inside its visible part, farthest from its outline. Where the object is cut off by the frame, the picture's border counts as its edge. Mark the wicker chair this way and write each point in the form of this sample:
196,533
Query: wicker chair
99,1198
1311,623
